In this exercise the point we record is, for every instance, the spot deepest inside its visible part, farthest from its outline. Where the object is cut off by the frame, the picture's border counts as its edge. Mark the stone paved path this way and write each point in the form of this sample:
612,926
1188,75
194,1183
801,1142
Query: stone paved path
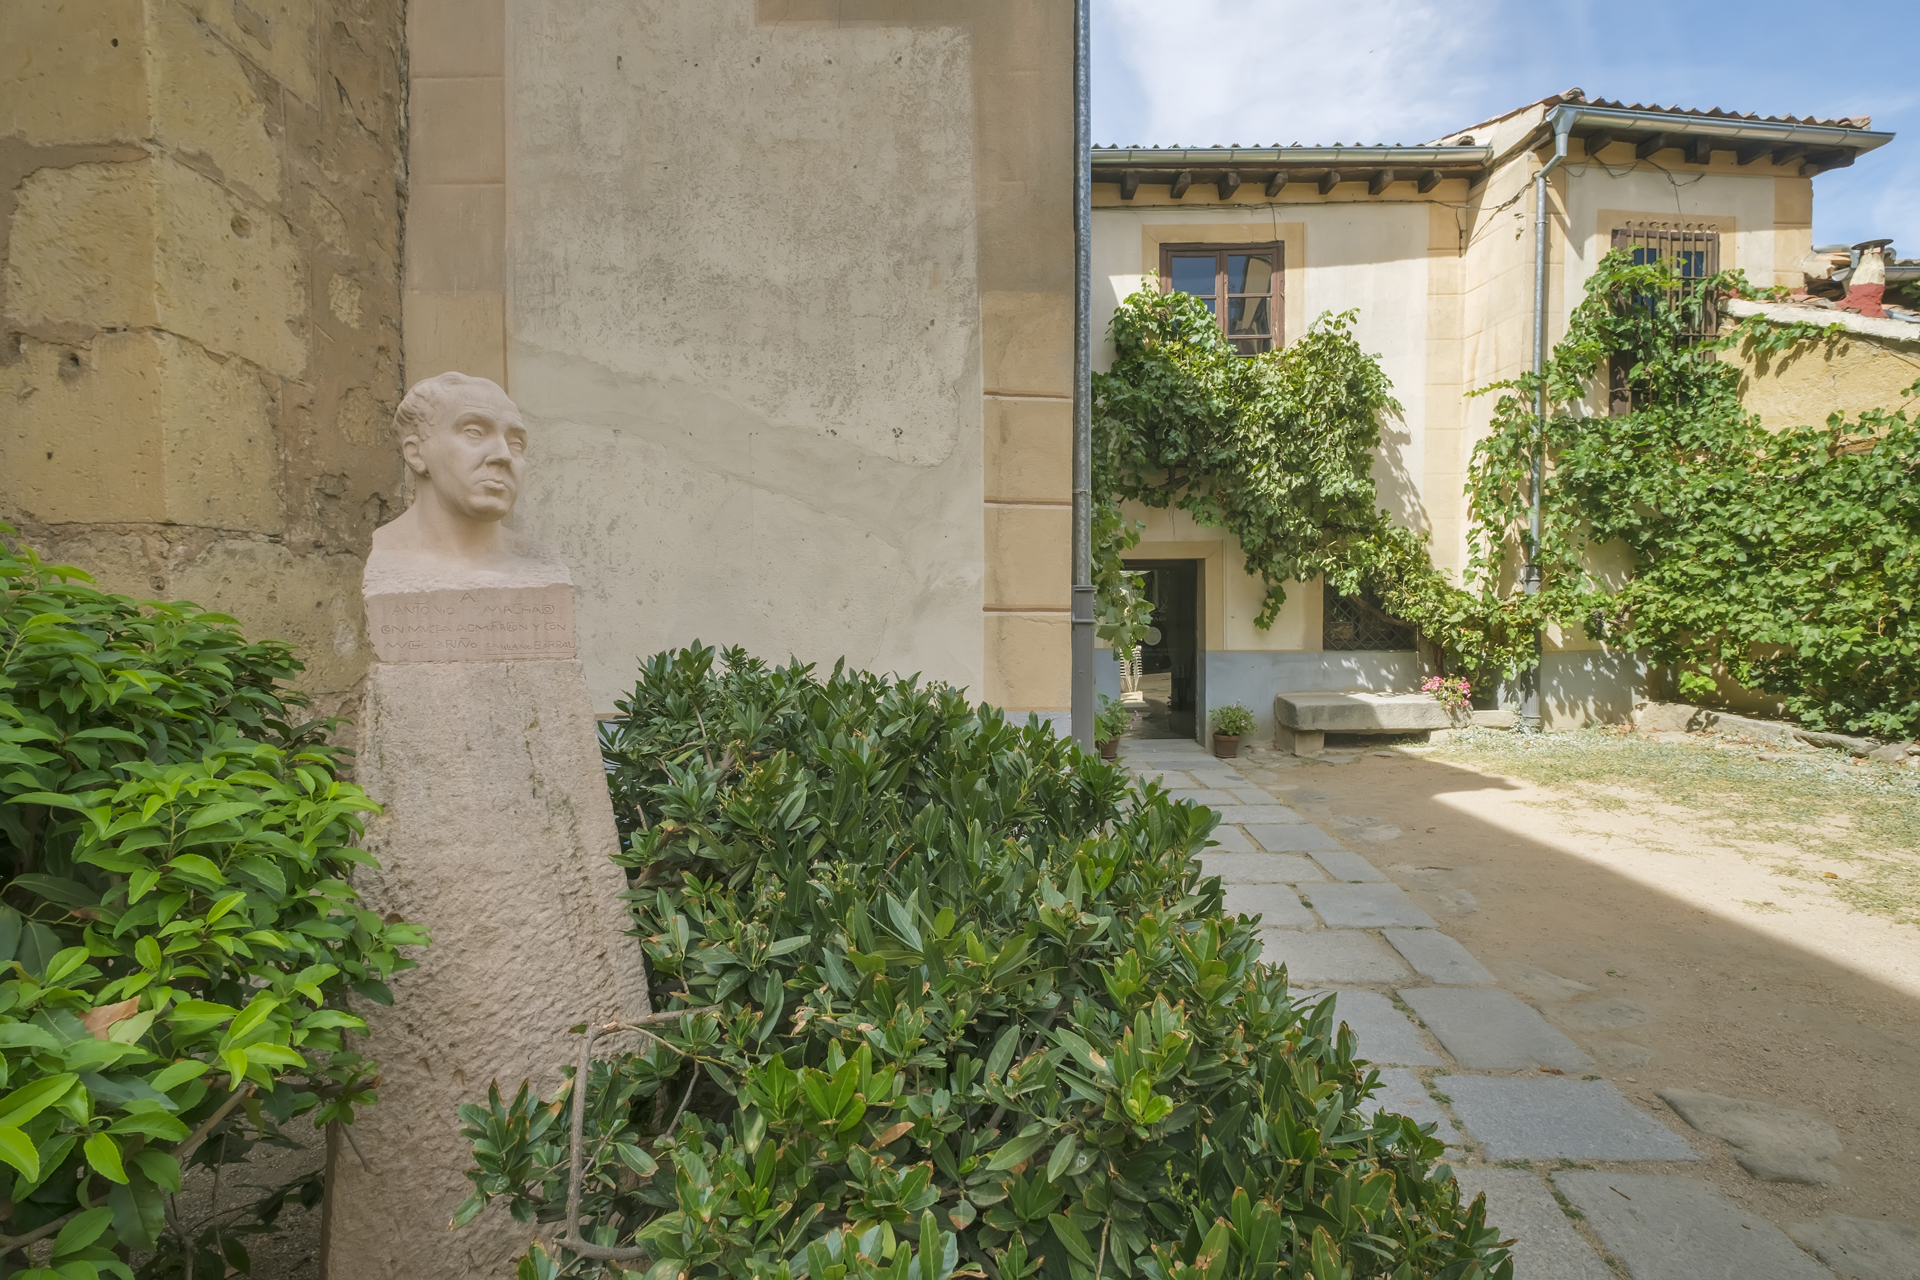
1590,1184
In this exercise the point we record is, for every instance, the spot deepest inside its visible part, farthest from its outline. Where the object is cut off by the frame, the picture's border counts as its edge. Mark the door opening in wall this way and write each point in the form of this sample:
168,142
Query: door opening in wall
1170,668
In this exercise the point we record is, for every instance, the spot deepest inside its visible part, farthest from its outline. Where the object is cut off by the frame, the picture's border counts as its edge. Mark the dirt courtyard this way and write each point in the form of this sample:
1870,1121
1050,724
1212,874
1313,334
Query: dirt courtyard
1683,945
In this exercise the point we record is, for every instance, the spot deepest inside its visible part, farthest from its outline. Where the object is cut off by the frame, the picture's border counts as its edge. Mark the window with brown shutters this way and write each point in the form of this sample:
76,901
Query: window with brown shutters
1241,285
1694,253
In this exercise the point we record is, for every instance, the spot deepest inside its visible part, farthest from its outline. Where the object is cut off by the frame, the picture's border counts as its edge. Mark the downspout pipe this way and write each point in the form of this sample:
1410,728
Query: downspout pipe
1083,711
1561,119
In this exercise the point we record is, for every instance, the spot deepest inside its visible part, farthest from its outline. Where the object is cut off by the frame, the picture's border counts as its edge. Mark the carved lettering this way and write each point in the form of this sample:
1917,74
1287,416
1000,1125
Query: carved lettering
478,625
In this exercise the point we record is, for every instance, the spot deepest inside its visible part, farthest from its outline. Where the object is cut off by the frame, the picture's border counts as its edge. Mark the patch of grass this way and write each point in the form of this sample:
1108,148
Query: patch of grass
1566,1206
1817,802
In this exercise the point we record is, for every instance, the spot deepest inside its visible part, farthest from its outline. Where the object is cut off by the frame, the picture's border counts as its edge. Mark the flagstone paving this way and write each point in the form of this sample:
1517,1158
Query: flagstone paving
1545,1243
1436,956
1457,1051
1351,867
1530,1118
1492,1029
1388,1034
1668,1228
1292,836
1403,1094
1275,904
1337,956
1260,868
1368,906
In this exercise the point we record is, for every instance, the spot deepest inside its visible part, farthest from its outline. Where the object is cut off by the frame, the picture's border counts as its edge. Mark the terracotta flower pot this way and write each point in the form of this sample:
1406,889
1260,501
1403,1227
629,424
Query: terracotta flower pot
1110,749
1226,745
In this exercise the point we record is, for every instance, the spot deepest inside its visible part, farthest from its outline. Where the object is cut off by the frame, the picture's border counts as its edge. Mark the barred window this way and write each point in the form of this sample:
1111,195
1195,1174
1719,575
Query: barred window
1694,253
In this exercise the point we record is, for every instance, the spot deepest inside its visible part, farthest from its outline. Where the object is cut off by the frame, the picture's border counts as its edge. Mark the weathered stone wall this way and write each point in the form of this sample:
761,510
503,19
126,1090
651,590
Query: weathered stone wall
1851,374
200,208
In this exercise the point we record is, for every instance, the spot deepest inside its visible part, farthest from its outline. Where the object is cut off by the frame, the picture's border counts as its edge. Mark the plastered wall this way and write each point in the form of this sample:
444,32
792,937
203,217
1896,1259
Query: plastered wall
785,292
1444,286
200,204
1850,374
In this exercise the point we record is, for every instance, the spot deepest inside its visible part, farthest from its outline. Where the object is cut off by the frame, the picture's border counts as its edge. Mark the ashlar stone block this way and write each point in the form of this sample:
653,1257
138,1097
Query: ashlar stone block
205,103
143,426
45,53
153,244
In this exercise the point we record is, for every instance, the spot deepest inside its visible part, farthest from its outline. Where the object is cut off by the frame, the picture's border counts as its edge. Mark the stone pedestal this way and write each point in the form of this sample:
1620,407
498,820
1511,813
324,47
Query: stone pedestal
496,837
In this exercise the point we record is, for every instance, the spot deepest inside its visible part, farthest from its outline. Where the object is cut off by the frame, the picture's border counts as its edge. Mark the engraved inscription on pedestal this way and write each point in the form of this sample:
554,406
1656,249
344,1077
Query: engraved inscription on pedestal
483,624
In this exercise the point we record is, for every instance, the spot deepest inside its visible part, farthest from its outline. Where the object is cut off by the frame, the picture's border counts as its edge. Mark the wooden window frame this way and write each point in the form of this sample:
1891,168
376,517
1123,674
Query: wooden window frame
1276,296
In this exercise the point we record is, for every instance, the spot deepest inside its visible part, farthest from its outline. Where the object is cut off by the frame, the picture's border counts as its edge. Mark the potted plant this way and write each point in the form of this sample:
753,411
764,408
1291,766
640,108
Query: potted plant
1230,724
1110,725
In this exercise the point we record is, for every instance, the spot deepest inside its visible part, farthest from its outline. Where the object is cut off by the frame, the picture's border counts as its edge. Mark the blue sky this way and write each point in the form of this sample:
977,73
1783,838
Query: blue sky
1201,72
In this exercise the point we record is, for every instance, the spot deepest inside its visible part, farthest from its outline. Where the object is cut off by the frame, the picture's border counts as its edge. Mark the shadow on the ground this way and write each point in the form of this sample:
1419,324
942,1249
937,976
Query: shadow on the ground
1681,996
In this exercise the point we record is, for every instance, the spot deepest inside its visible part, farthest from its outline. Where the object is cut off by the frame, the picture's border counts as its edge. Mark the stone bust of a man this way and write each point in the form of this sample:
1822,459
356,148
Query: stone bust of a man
466,445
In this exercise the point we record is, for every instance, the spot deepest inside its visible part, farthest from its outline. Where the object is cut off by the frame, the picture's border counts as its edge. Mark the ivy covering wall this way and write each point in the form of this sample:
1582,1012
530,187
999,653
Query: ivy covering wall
1787,562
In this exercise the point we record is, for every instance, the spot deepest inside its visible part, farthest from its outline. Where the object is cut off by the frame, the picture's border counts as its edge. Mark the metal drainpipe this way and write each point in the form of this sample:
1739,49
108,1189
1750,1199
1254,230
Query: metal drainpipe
1082,616
1530,575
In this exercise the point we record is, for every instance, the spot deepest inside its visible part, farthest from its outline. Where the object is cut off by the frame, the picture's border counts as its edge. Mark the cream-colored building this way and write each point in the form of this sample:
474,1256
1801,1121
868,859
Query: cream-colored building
1434,246
783,287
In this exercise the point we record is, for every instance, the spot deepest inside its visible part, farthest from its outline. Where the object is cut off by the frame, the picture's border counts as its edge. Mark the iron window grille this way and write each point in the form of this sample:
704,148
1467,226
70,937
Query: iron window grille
1350,625
1242,285
1694,253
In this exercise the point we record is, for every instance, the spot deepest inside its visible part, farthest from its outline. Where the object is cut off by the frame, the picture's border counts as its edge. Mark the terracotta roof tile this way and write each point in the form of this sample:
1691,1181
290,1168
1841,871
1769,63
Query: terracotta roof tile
1579,96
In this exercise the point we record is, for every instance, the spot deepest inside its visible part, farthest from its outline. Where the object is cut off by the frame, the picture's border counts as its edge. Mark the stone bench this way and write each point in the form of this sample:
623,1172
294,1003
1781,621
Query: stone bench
1302,721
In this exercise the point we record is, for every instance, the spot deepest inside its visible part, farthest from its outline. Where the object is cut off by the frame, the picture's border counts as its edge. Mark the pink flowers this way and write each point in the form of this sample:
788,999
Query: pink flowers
1453,692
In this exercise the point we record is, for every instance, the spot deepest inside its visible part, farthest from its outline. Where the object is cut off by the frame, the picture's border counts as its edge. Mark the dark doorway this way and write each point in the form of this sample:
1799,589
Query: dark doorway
1170,667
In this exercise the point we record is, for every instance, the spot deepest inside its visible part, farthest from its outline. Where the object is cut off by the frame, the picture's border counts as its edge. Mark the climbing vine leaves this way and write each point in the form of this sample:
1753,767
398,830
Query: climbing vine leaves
1784,561
1277,448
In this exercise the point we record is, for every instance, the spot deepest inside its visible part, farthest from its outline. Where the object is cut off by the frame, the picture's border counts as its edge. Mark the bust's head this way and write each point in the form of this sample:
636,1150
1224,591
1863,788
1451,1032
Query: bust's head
465,441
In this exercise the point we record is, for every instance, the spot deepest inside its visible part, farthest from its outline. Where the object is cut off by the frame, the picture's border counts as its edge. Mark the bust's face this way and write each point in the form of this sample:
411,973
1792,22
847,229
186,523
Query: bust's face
474,455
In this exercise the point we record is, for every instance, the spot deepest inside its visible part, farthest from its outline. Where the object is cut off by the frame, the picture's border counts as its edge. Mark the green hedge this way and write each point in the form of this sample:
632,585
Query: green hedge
177,936
978,1013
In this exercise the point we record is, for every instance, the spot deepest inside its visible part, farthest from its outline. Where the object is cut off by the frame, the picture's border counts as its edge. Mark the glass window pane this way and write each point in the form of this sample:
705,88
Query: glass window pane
1641,257
1194,276
1247,273
1247,316
1693,263
1252,346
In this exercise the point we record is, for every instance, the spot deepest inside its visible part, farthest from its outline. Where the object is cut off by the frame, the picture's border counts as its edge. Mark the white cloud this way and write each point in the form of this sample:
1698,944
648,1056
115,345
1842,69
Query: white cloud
1257,72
